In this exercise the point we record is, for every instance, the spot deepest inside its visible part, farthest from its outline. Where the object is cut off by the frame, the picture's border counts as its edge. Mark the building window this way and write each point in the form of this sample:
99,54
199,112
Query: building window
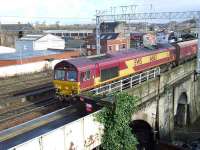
123,45
109,73
88,46
110,48
93,46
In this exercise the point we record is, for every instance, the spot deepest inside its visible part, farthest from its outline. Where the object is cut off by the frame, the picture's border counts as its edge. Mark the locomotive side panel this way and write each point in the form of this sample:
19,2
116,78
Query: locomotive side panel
155,60
106,72
134,65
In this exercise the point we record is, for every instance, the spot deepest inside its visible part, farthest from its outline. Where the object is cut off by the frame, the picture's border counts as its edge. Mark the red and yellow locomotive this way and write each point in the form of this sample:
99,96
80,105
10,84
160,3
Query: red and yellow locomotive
76,75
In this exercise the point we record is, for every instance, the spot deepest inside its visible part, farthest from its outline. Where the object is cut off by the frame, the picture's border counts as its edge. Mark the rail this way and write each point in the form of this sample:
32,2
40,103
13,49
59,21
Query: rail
126,83
29,125
26,109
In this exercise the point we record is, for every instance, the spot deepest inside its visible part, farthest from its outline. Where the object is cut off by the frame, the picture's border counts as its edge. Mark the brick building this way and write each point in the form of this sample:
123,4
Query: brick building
110,42
136,39
113,38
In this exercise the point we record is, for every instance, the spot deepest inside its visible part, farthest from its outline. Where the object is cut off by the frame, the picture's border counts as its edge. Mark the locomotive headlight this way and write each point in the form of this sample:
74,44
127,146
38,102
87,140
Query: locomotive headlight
58,86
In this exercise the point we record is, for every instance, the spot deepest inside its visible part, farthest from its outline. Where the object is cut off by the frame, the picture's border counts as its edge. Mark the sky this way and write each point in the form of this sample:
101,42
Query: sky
80,11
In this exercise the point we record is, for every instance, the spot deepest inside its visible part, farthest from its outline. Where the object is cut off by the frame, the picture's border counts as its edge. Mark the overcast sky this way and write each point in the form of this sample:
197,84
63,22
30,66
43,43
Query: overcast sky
82,11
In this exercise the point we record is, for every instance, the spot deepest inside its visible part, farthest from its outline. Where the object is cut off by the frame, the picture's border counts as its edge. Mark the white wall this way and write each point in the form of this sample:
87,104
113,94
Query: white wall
40,45
82,134
26,68
45,42
49,41
23,45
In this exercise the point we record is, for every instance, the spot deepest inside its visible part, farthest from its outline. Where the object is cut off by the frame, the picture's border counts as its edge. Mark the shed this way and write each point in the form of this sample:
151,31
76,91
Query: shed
39,42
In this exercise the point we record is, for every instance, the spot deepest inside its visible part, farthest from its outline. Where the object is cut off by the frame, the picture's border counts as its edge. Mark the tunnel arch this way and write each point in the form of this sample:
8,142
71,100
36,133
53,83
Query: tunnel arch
144,134
181,118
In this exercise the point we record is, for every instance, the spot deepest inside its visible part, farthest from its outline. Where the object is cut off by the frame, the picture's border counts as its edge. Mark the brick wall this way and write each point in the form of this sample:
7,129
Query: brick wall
64,55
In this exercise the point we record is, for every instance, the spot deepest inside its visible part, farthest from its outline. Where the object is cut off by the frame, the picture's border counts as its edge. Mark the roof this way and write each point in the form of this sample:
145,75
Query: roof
108,26
16,27
112,57
28,54
109,36
34,37
31,37
69,31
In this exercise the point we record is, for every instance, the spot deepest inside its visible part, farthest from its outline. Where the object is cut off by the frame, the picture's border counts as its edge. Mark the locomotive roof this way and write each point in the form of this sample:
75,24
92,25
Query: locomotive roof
113,57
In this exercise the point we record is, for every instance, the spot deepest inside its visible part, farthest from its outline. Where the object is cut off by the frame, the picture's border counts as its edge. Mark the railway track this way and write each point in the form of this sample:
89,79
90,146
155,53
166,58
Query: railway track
23,78
28,112
26,109
13,85
14,89
28,91
37,122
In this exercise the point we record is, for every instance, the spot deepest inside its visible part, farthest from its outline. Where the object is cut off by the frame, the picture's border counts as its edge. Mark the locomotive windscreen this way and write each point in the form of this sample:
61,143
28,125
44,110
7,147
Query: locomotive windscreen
65,71
59,75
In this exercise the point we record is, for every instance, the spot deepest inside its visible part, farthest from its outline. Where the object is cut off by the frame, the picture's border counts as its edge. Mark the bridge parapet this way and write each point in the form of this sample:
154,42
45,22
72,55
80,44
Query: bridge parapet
150,89
177,74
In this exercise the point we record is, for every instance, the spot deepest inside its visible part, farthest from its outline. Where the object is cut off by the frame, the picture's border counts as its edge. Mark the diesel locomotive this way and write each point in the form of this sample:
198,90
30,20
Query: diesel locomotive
73,76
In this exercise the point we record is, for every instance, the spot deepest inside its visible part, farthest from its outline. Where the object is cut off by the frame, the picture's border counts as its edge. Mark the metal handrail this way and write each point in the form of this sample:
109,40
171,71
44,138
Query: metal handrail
128,82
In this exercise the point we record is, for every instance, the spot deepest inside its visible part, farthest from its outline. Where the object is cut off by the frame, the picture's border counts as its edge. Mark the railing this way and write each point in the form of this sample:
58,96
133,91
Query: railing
126,83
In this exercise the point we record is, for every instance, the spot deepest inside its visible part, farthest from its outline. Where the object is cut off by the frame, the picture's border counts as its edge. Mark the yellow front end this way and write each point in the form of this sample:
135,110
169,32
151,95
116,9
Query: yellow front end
66,88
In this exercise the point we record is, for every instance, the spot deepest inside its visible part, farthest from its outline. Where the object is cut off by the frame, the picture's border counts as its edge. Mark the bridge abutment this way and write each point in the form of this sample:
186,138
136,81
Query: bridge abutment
169,101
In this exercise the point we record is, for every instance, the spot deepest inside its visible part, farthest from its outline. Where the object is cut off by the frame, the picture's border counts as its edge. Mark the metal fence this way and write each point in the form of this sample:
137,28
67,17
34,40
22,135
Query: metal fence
126,83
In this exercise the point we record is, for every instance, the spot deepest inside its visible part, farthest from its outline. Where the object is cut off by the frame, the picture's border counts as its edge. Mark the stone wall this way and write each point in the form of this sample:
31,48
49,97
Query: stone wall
166,91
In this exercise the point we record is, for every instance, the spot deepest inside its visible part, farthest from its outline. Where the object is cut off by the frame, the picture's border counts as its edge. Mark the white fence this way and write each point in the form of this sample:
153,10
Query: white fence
82,134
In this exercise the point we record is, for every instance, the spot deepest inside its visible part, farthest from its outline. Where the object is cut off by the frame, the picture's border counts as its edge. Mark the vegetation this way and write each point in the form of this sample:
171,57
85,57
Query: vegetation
116,119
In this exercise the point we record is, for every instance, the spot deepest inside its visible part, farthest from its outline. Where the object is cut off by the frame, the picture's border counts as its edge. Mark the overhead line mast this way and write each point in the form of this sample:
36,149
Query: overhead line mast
104,16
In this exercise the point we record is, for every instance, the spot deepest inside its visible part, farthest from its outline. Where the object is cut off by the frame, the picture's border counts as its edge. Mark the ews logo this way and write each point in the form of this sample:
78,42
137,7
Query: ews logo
153,58
138,61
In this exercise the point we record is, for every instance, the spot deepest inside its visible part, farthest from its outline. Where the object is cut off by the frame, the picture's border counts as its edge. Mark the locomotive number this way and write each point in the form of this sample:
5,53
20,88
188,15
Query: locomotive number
138,61
153,58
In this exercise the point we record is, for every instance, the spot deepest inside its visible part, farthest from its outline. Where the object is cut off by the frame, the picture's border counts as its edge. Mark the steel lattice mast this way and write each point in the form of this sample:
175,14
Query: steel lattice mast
105,16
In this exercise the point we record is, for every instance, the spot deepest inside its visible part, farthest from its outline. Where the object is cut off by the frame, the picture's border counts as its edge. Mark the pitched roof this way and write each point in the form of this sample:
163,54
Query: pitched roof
31,37
109,36
108,26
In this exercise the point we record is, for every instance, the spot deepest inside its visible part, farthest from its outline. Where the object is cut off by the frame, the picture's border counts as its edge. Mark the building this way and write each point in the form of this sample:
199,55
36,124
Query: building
39,42
110,42
136,39
10,32
73,34
113,27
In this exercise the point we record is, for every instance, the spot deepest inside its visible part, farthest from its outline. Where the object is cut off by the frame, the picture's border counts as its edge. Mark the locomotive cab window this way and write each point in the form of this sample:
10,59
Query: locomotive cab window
109,73
71,75
85,75
59,75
